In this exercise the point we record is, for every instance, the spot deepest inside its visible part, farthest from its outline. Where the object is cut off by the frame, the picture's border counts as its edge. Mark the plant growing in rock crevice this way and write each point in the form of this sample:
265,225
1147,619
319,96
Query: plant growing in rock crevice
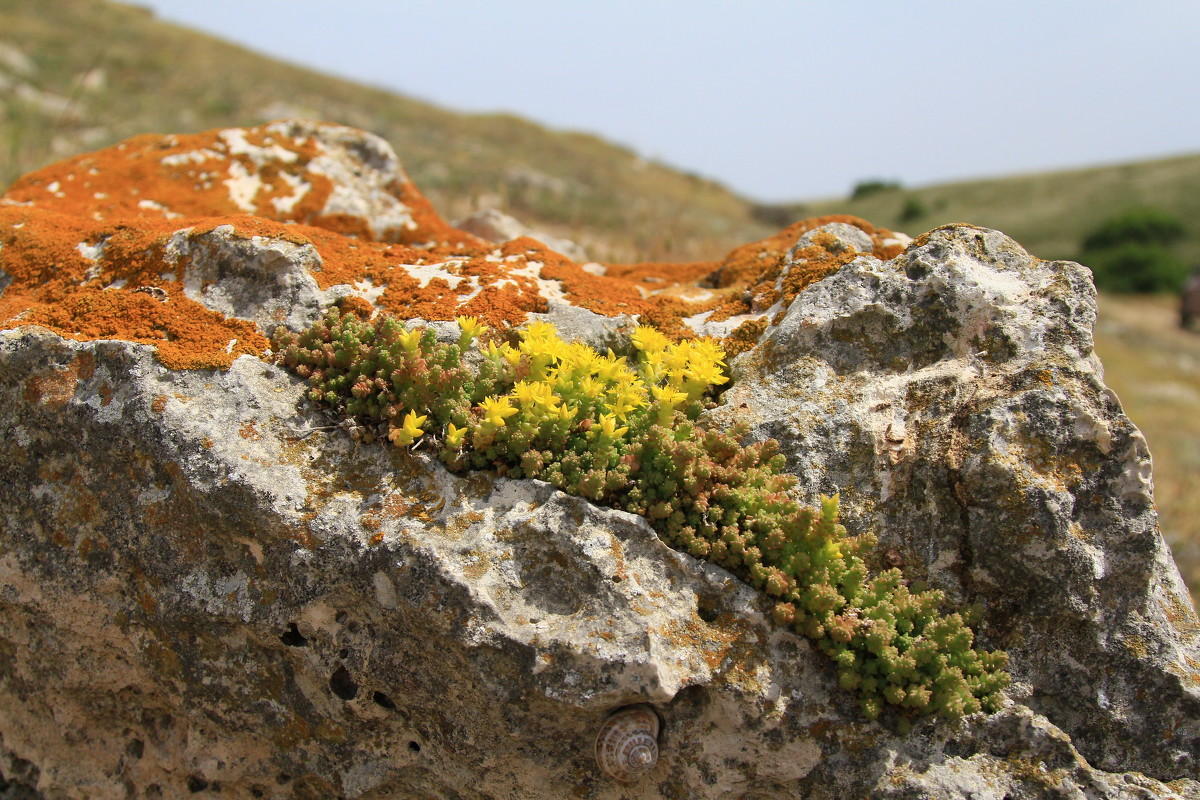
626,432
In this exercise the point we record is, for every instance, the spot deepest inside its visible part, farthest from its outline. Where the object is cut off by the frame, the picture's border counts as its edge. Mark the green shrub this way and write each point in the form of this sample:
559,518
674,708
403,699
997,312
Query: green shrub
1135,226
1131,252
626,432
1136,267
873,186
913,209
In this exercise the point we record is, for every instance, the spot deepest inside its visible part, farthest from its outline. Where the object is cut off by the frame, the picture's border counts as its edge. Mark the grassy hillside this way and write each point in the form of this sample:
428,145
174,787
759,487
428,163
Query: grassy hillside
76,75
1048,213
1154,367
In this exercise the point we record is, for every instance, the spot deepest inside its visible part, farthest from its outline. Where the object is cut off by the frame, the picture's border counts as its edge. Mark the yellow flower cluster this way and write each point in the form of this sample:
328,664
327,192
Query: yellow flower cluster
561,384
680,373
549,389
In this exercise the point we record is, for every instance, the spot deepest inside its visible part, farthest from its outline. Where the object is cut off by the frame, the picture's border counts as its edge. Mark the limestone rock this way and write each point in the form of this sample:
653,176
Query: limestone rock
496,226
207,589
953,397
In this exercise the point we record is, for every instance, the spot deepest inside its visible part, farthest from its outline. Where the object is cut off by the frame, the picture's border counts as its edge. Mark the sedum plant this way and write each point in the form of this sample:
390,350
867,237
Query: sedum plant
626,432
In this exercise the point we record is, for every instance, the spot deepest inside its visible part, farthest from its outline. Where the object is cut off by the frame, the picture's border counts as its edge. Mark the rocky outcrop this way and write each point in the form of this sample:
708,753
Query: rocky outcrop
207,587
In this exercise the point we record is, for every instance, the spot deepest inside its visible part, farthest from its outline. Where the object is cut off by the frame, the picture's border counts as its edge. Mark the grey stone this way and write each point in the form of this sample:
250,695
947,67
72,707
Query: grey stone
953,397
498,227
847,236
265,280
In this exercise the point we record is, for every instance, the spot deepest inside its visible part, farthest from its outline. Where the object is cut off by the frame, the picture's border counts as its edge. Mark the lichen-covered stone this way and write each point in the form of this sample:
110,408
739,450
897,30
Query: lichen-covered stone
207,589
953,397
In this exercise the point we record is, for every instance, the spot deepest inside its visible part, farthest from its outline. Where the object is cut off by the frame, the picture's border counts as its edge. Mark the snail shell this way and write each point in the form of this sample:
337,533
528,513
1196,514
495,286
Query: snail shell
627,745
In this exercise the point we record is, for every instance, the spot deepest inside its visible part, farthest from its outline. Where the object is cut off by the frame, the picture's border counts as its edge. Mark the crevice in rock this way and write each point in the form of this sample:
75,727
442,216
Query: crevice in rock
342,684
708,607
292,637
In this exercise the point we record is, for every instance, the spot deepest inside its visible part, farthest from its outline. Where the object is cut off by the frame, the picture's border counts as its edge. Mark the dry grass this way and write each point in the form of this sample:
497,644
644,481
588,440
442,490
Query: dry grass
1154,367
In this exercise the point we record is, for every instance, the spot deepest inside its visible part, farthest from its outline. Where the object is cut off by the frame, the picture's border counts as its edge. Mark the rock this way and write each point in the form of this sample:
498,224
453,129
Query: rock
496,226
208,587
953,397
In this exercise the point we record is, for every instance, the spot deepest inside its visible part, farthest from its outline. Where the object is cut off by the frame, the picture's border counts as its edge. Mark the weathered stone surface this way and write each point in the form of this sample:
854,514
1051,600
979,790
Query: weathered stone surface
953,397
496,226
207,589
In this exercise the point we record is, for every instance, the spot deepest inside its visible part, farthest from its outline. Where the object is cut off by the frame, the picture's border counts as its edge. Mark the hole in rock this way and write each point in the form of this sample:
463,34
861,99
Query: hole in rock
343,685
416,748
23,770
293,637
383,700
343,653
283,778
195,783
690,700
135,748
708,606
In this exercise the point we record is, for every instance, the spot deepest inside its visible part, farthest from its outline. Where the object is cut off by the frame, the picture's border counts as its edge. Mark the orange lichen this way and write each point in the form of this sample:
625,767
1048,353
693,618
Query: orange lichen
744,336
766,276
55,387
85,243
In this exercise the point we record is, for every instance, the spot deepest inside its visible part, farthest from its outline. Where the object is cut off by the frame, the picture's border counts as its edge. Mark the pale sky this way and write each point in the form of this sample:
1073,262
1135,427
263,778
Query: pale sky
777,100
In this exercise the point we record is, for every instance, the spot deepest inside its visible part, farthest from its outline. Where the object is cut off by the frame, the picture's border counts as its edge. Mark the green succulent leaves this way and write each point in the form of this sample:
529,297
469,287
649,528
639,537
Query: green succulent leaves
626,432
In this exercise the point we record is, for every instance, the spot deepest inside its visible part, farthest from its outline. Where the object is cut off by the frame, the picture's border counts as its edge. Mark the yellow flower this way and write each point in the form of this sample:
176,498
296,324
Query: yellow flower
610,368
548,349
668,396
531,393
710,350
567,413
409,431
525,393
705,373
504,351
677,356
649,339
590,388
455,435
496,410
668,399
539,329
470,327
608,427
579,359
628,397
650,366
409,340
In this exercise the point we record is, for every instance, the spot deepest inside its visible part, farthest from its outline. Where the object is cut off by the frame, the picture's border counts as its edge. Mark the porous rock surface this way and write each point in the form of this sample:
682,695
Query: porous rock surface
207,589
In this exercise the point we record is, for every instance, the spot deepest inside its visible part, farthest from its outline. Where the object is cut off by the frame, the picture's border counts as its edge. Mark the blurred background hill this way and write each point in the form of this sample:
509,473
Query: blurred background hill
78,75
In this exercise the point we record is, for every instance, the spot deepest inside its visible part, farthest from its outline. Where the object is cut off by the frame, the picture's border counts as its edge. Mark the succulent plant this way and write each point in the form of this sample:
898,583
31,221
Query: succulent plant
627,432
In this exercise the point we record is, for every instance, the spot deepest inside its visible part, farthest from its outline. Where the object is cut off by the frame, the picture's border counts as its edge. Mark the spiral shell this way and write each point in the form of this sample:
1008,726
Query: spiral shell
627,745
